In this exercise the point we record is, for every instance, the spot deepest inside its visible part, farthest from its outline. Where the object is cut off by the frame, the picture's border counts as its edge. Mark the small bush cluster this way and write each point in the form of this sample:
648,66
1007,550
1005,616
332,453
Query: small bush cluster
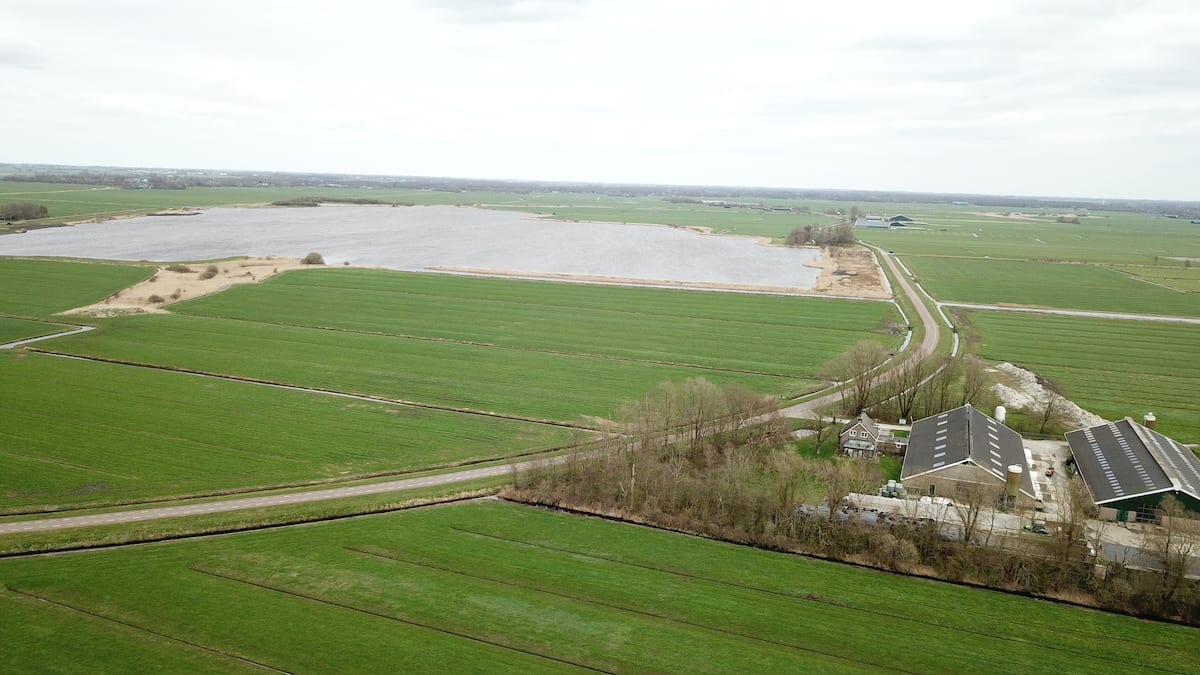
181,269
209,272
313,258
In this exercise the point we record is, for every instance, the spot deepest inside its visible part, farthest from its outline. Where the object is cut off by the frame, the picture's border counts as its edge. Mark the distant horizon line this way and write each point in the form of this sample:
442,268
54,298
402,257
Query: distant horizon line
602,183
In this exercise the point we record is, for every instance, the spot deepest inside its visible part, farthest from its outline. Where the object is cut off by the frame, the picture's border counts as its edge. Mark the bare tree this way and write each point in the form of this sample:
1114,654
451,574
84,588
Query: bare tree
859,367
907,382
936,394
1173,544
1050,406
971,502
974,380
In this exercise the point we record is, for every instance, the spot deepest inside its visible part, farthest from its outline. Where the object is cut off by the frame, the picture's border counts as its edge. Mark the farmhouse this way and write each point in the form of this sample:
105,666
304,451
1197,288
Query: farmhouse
1128,468
964,448
859,437
899,220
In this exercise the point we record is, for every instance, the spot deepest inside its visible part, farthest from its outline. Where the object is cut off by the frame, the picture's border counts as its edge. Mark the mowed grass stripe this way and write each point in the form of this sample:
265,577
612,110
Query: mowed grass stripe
84,433
1114,368
520,383
781,335
605,614
1018,282
38,288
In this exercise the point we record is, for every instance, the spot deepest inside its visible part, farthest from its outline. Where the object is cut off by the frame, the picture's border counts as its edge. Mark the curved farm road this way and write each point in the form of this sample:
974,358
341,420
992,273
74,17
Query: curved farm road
933,334
1075,312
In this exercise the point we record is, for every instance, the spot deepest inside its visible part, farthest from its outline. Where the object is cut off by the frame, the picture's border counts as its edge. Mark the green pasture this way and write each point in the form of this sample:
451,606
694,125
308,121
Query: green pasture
1103,237
1175,276
1113,368
492,586
1067,286
778,335
43,287
20,329
83,433
520,382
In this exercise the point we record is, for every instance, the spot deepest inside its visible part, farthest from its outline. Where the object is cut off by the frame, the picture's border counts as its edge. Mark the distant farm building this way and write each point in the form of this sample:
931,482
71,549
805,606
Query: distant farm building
1128,469
954,453
871,221
899,220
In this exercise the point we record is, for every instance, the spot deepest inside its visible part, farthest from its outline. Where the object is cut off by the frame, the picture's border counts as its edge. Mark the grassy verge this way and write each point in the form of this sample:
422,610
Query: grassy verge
478,586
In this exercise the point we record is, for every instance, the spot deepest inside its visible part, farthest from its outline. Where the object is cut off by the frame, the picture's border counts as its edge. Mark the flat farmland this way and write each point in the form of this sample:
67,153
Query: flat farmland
1067,286
81,433
1103,237
1113,368
775,335
44,287
500,380
491,586
1177,276
19,329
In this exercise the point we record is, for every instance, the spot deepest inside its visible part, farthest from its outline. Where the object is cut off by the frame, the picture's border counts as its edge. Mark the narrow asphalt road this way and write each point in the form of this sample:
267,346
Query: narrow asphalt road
52,336
155,513
933,333
1076,312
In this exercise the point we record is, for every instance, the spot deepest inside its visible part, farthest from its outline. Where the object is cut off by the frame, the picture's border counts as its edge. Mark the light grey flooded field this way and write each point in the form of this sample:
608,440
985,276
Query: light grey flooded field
425,237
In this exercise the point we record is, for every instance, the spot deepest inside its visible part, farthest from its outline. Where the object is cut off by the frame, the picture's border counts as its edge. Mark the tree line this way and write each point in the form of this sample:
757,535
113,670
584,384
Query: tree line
22,211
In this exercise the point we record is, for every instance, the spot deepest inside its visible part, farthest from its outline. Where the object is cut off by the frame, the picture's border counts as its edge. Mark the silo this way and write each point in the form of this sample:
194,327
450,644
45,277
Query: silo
1148,420
1001,413
1012,485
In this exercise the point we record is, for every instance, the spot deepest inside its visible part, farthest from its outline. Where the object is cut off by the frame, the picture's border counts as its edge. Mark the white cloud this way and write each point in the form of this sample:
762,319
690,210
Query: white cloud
1038,97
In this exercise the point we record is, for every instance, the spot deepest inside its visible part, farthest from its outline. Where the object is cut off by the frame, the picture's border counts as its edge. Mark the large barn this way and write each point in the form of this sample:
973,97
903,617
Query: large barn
1130,468
960,448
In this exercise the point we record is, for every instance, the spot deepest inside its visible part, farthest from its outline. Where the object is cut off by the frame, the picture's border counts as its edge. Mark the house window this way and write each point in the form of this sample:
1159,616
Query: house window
932,489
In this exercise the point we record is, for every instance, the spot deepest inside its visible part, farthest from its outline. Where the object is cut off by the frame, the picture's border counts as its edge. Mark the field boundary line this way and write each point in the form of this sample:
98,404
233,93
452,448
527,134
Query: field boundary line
135,627
316,390
809,597
387,617
619,608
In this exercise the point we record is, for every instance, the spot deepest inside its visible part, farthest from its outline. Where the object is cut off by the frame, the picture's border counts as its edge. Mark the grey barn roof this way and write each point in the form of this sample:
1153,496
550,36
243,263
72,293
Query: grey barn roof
965,435
1124,460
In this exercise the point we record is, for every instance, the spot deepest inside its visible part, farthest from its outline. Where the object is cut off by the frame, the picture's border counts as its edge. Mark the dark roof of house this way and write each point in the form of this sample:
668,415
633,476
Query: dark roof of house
900,217
965,435
865,420
1123,460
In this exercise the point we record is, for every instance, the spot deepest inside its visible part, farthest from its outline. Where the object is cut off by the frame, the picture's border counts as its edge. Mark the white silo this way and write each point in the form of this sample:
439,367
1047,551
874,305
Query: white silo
1001,413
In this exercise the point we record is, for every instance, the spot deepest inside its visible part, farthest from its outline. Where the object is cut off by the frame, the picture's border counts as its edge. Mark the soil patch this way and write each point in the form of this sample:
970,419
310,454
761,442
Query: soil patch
168,286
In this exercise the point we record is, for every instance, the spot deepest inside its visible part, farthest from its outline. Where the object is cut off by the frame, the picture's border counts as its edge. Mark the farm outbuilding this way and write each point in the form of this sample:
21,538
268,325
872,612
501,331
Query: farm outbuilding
963,449
1129,468
899,219
871,221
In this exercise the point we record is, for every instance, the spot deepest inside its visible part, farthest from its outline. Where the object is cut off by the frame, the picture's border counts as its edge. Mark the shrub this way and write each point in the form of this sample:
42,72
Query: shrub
313,258
182,269
156,299
209,272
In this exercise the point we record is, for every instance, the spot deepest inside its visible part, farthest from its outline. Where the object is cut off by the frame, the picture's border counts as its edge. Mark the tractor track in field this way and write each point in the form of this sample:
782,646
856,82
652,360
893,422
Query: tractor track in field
493,345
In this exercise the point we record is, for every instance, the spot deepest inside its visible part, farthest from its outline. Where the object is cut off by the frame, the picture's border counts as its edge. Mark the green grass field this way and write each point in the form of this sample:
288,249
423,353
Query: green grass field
1087,287
777,335
38,288
507,381
1110,367
1106,237
82,433
19,329
493,586
1175,276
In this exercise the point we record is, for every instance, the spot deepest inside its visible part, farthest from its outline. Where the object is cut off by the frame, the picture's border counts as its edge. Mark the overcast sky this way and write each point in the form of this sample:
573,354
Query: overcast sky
1044,97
